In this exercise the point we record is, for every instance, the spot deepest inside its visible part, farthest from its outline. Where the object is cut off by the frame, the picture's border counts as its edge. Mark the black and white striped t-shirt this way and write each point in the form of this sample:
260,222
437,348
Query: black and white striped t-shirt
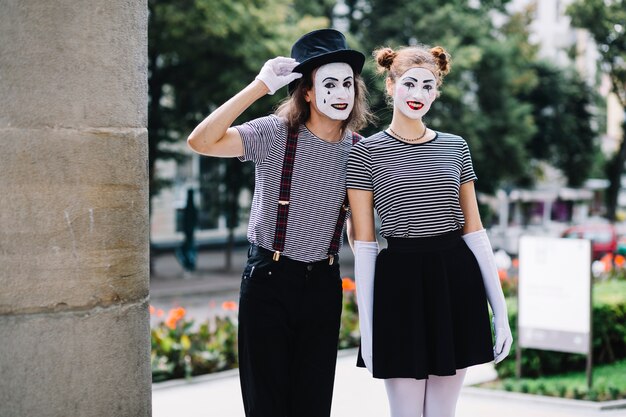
317,187
415,186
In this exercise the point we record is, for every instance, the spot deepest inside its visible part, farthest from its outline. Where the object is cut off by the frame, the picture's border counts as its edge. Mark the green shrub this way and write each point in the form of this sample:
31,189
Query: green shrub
182,350
349,335
579,393
179,350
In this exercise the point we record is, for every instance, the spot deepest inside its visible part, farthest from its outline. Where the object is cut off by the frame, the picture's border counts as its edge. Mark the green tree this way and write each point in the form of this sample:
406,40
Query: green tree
201,53
565,137
493,96
606,22
479,99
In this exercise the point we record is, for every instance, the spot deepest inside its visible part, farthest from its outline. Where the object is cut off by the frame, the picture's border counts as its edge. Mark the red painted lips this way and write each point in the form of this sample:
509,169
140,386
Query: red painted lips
415,105
341,106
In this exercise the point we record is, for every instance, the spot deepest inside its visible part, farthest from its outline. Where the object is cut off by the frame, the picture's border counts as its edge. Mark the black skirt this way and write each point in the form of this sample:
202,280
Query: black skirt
430,309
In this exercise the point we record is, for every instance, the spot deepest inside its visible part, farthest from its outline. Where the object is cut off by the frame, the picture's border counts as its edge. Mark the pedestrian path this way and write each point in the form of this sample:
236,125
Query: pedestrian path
356,395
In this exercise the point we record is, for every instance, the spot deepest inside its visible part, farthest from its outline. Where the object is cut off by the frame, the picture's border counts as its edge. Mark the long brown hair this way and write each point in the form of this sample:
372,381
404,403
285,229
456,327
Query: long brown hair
296,110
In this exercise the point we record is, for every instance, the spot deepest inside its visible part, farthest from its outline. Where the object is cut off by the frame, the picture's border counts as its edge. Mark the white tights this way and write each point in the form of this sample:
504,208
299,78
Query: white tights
432,397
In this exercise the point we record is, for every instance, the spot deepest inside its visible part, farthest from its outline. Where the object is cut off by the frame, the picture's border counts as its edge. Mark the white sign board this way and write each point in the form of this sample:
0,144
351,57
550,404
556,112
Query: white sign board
554,294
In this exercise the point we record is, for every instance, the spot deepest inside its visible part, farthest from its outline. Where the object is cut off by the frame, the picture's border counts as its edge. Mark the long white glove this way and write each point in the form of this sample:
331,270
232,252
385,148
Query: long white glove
276,73
478,242
364,267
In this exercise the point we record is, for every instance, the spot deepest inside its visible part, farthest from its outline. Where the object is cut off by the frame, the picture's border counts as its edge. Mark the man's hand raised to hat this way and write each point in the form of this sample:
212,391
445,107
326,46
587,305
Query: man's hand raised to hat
277,73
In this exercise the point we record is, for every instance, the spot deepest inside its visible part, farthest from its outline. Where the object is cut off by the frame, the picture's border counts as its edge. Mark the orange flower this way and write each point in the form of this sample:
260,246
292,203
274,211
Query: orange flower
502,274
174,316
619,260
160,312
607,260
152,310
229,305
348,284
178,312
171,322
515,262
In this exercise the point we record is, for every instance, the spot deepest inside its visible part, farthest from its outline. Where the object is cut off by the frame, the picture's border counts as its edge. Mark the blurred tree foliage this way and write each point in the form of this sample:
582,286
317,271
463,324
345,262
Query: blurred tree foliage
606,22
510,107
201,53
561,103
491,96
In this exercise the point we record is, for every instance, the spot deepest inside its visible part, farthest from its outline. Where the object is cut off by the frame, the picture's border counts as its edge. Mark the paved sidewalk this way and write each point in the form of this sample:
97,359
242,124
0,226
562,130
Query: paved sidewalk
356,393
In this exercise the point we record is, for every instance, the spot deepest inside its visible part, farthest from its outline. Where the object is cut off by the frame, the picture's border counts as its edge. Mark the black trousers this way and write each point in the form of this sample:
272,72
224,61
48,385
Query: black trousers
289,317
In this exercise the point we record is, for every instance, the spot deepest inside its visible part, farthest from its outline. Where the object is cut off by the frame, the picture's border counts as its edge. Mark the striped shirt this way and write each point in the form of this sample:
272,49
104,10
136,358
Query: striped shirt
415,186
317,187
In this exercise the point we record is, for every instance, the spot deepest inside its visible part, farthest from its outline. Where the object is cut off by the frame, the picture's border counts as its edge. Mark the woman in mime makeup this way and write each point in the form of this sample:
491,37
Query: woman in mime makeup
423,300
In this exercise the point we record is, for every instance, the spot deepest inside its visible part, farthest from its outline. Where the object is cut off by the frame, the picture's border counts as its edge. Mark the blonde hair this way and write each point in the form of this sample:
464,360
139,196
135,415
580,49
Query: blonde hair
296,110
396,63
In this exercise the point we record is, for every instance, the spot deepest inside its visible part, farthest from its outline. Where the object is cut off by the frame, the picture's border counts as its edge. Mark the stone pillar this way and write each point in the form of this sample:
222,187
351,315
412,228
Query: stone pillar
74,278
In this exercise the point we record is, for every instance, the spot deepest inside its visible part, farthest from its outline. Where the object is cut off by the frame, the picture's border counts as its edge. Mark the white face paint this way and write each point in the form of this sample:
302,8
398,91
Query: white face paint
334,90
414,92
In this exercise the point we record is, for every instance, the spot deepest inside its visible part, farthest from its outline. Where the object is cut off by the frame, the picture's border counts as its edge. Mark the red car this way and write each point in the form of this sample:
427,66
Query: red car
603,237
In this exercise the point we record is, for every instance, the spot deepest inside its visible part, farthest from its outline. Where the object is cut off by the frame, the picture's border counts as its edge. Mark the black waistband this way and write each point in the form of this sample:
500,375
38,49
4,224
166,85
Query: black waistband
437,242
256,250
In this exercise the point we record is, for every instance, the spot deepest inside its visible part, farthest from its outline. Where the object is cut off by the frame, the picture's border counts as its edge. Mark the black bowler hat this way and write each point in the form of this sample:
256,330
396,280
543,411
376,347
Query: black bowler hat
322,47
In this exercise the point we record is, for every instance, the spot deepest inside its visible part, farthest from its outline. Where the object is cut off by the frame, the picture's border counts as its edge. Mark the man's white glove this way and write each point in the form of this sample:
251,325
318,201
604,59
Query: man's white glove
478,242
364,267
276,73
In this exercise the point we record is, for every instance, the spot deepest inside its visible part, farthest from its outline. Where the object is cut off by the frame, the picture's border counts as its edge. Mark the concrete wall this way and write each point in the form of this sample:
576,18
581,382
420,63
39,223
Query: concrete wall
74,278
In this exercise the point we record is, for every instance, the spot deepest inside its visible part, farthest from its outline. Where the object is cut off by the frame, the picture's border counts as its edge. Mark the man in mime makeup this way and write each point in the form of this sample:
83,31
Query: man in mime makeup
291,296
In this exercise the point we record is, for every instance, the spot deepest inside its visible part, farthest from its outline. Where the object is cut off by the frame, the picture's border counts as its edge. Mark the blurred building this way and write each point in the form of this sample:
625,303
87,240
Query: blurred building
551,30
167,206
550,206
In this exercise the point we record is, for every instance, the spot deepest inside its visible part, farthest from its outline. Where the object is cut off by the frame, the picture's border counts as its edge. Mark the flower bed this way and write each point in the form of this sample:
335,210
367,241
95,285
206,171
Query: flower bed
180,349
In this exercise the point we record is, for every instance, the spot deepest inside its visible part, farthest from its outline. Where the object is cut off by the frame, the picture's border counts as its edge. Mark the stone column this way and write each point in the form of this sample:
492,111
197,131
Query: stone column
74,278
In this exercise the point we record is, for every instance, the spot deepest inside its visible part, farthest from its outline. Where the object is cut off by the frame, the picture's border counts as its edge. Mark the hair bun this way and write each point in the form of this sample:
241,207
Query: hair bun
385,57
442,58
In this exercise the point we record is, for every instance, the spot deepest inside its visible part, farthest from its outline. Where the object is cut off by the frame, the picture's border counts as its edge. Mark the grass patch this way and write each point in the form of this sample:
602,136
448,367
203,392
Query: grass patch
610,292
609,383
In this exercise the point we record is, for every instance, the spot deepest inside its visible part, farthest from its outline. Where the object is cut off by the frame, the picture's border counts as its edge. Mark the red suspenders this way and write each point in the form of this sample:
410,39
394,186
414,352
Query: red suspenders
283,201
285,191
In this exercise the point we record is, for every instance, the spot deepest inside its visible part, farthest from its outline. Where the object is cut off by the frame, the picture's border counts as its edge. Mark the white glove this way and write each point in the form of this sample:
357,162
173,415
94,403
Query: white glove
276,73
364,266
478,242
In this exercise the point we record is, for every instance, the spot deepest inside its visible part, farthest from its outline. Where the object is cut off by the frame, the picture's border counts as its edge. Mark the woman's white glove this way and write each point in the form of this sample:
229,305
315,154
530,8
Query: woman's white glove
364,267
478,242
276,73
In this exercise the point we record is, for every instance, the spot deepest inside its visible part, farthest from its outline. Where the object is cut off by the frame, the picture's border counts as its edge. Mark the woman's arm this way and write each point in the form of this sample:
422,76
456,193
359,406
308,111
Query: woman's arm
214,136
350,233
365,253
362,206
476,239
469,206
